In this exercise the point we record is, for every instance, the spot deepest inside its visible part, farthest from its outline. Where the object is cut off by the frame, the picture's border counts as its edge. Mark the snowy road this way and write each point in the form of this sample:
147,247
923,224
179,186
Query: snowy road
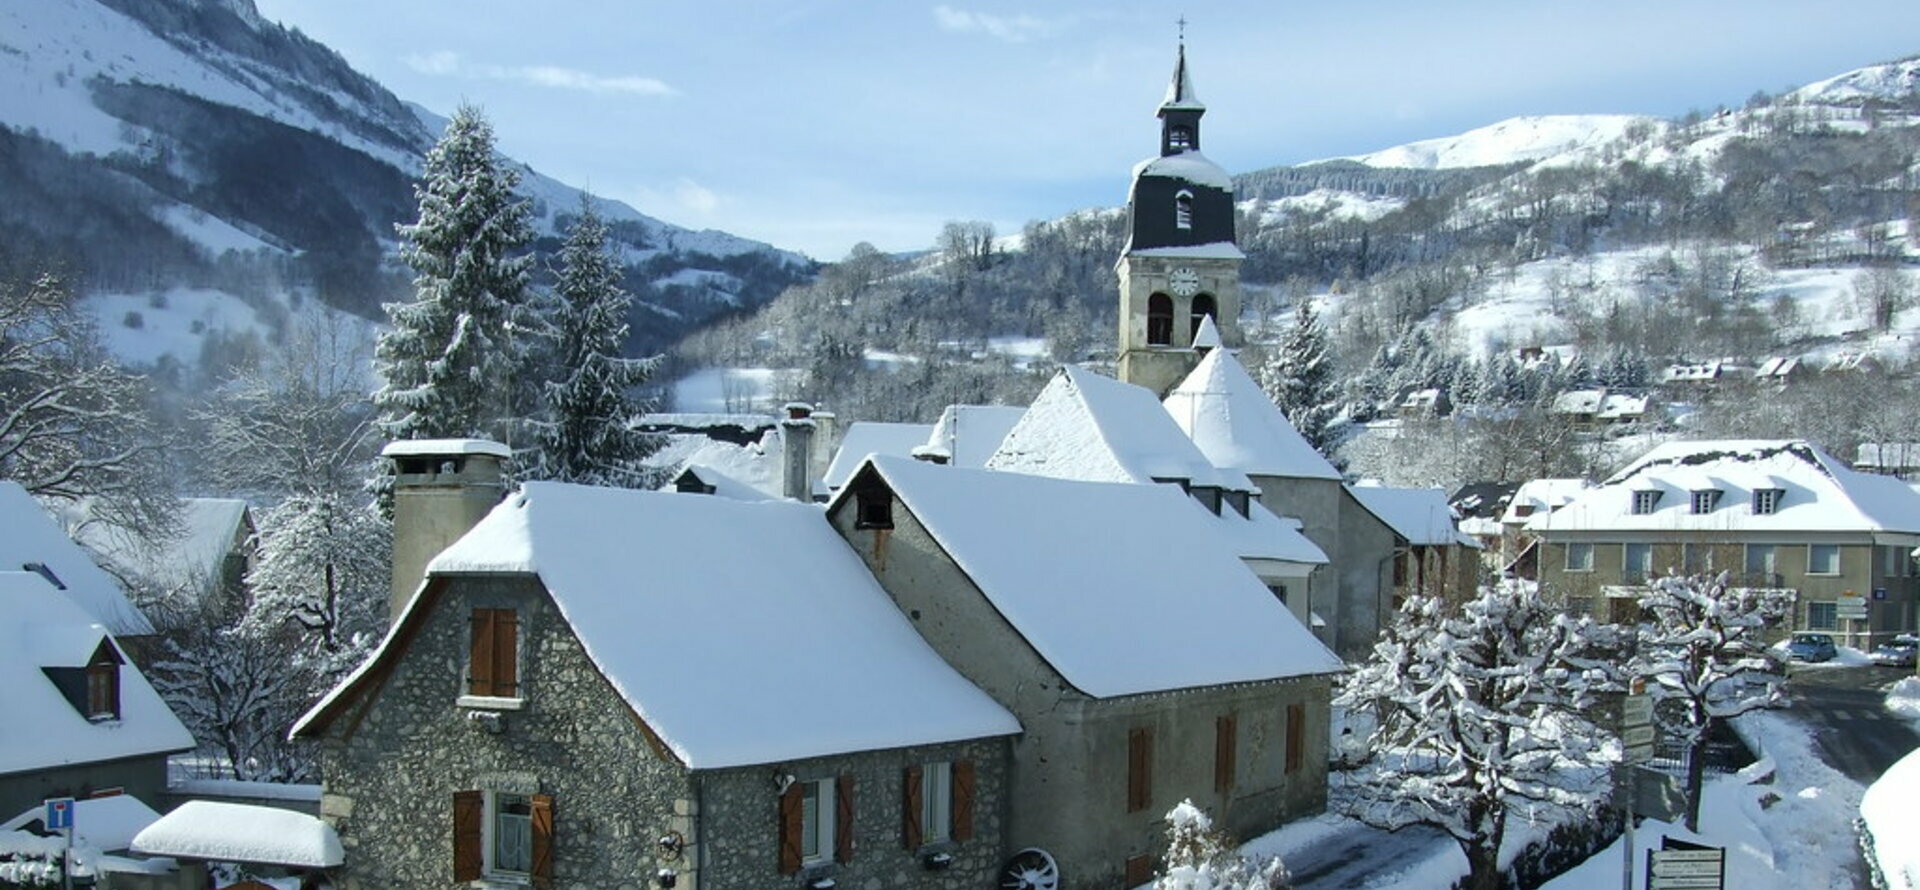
1843,706
1362,857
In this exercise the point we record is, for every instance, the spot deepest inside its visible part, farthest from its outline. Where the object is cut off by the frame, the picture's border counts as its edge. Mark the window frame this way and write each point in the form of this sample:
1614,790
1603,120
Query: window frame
1696,559
477,814
1627,567
103,691
1833,563
1830,612
1645,501
817,802
936,802
1159,320
1183,210
1583,565
1704,500
493,836
1766,501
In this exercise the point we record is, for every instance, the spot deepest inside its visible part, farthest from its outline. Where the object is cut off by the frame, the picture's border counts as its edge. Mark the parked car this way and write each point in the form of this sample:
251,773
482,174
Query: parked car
1811,647
1901,652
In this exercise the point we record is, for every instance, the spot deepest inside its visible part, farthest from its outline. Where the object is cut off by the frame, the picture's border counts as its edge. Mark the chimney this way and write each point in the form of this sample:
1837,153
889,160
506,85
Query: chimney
796,455
441,489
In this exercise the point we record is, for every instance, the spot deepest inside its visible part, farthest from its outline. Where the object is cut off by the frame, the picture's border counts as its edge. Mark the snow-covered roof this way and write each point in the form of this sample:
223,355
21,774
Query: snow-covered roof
1541,496
1579,401
1212,250
235,832
1180,92
1096,429
1686,373
1620,405
1778,366
705,614
970,434
1123,589
724,485
756,464
1190,166
1262,535
1420,515
43,629
1208,335
193,558
867,437
1235,425
1819,493
104,823
33,538
431,447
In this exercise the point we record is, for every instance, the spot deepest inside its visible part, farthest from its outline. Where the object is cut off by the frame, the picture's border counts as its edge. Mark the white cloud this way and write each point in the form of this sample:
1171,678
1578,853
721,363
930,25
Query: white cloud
1012,29
449,64
694,196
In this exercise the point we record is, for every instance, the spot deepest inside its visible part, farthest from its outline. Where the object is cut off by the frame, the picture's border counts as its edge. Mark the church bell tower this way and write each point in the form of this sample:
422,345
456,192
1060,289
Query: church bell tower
1180,264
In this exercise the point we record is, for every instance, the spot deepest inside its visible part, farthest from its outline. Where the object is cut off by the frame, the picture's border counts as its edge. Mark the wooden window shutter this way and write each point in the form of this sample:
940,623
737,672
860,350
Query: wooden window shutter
469,809
790,827
963,800
543,840
1296,737
1139,870
506,635
1226,739
843,819
910,833
480,662
1139,769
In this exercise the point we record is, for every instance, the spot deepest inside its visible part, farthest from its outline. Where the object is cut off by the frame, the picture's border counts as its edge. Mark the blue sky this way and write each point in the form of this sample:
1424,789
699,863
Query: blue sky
815,125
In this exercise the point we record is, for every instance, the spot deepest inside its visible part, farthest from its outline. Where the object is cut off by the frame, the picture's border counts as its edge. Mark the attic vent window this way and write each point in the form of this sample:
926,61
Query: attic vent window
1183,210
1645,500
1239,500
876,508
1766,501
1705,500
1209,497
103,686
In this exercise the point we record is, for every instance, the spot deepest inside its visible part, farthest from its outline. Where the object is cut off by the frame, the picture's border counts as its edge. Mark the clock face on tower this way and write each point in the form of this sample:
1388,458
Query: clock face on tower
1184,282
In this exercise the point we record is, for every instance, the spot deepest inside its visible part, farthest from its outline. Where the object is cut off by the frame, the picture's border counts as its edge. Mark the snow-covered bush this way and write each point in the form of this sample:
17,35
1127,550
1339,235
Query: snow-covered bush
28,860
1200,858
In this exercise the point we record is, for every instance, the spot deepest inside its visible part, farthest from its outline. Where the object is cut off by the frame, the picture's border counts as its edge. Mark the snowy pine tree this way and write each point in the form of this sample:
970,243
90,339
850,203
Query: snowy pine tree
1701,650
1299,378
455,363
585,433
1478,711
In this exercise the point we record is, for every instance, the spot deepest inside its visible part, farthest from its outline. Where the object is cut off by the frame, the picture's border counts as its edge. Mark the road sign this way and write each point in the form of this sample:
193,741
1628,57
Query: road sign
59,813
1851,607
1636,710
1637,736
1689,869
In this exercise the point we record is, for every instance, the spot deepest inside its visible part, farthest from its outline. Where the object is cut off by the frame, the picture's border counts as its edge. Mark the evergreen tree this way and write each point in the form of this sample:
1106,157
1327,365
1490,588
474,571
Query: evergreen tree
585,435
455,364
1299,378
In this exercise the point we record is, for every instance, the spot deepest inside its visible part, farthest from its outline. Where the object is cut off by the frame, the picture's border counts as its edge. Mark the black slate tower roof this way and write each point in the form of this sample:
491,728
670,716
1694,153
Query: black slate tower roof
1180,199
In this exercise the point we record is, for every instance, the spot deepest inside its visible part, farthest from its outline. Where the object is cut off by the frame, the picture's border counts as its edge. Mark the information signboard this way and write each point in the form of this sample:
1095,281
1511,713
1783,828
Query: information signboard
1689,869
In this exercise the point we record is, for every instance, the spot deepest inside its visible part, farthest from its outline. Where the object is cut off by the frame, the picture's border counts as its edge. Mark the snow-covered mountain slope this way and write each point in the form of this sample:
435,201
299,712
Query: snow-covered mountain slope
1893,82
1511,141
189,149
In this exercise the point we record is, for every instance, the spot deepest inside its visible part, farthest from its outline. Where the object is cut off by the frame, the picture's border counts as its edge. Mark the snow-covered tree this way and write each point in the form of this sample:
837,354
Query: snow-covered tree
238,693
73,426
585,434
1298,377
456,361
1200,858
1478,712
323,571
1701,651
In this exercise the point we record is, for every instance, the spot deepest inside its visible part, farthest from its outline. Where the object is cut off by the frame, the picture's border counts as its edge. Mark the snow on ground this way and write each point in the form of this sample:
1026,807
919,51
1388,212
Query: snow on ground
211,232
1844,657
1903,699
141,328
1887,810
726,391
1331,203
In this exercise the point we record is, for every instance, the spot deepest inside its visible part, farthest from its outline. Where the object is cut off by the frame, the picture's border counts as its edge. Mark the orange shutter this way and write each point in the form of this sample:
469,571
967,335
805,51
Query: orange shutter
480,662
506,673
962,800
469,808
1139,770
543,840
910,831
1226,738
843,819
790,827
1296,737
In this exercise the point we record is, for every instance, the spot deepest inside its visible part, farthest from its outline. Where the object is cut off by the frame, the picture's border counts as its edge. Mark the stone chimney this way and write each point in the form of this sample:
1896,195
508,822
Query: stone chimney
796,454
441,489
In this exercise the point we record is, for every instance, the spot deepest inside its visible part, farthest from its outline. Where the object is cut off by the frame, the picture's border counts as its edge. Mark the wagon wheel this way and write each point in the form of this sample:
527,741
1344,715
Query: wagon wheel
1030,869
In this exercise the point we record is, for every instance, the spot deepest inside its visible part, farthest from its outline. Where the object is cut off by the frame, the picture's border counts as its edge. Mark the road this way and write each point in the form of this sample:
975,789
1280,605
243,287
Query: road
1846,708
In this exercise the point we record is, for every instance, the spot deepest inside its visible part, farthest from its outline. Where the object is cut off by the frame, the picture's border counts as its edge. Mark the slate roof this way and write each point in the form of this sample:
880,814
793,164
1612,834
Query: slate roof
970,434
1124,589
1235,425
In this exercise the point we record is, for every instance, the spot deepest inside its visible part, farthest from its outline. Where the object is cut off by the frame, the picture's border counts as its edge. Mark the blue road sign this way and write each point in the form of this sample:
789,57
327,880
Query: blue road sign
59,813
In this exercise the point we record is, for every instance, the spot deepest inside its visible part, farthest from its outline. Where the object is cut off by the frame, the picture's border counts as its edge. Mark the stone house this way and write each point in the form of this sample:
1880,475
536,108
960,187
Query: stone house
1770,513
605,688
1436,558
81,720
1146,664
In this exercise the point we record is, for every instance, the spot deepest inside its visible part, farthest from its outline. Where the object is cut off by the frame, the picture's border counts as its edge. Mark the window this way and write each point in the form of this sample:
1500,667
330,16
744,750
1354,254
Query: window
1180,138
1226,751
1139,769
1761,559
1705,500
103,691
1203,307
1159,320
1208,496
1639,561
1823,616
1279,592
1183,210
1645,500
938,802
1696,558
1241,501
493,666
1767,500
1823,559
1895,560
1579,557
875,504
503,834
1296,738
816,823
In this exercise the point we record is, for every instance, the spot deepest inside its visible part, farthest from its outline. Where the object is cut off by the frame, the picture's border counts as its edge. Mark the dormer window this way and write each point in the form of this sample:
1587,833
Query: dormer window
1186,485
1645,501
1766,501
103,685
876,508
1183,209
1240,502
1209,497
1705,499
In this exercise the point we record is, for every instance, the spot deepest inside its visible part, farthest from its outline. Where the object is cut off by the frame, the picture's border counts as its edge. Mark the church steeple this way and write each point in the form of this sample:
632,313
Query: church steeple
1180,112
